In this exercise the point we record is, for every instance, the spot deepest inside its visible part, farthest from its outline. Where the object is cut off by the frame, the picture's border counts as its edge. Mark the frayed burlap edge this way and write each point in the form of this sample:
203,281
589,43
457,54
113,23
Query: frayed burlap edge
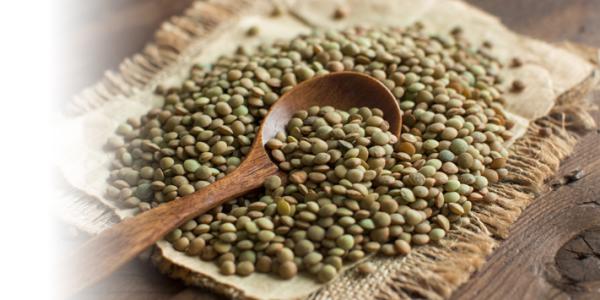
432,271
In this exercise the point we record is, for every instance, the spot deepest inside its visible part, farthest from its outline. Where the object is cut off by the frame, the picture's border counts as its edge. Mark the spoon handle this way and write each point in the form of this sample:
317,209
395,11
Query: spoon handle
105,253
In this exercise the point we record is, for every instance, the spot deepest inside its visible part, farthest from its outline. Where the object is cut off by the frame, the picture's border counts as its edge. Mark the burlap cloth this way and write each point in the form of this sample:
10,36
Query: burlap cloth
557,80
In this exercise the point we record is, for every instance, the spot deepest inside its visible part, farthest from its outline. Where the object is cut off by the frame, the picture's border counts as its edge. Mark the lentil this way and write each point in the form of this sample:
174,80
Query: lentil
351,186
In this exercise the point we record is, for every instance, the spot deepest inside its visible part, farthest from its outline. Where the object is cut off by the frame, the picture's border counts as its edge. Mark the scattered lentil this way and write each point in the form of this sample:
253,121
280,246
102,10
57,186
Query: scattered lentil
516,62
366,268
517,86
341,12
253,30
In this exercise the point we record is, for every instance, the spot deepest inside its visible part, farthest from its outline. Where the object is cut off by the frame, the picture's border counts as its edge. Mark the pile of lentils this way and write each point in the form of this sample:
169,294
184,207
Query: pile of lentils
351,188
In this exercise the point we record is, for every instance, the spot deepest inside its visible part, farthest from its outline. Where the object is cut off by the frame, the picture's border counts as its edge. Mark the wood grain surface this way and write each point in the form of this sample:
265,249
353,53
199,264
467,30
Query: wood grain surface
553,250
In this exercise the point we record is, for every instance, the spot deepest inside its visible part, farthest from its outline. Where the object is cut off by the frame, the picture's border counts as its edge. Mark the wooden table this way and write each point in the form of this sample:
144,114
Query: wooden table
553,250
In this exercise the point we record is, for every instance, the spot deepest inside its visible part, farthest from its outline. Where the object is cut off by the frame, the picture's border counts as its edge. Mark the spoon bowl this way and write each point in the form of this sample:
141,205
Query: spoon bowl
114,247
342,90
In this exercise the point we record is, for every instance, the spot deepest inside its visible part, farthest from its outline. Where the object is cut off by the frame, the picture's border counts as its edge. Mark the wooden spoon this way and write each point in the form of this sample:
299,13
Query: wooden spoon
115,246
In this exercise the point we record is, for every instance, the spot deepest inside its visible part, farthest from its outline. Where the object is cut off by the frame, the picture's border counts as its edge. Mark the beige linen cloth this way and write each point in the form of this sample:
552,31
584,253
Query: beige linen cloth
556,80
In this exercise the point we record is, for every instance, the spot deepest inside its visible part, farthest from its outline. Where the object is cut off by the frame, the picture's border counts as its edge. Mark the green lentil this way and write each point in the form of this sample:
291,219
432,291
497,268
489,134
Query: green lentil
312,258
413,217
345,242
303,248
327,273
437,234
245,268
459,146
227,268
272,182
